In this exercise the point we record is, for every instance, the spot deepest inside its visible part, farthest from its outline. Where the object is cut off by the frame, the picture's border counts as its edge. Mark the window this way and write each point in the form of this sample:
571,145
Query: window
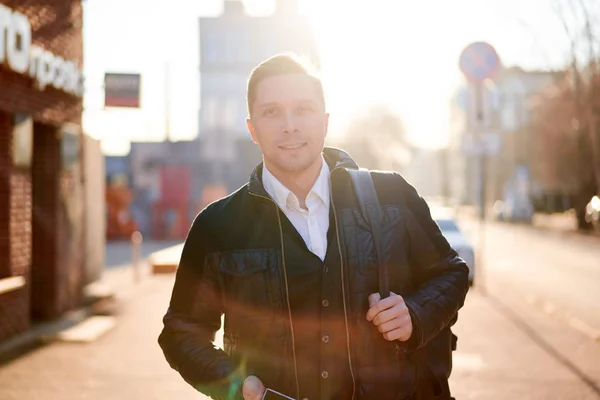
210,48
231,114
209,113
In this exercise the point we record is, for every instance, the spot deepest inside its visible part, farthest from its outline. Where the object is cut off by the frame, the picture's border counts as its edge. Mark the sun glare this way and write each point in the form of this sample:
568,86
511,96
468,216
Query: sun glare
371,55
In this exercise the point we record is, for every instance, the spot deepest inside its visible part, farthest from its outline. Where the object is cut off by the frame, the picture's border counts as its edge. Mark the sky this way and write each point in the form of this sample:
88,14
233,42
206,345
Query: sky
400,54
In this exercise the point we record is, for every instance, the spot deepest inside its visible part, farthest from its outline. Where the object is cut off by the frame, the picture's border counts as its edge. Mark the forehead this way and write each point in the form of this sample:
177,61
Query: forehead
286,88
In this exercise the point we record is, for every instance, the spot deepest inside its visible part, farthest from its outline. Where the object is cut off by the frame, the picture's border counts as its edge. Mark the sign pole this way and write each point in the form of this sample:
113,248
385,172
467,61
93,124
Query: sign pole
478,62
481,144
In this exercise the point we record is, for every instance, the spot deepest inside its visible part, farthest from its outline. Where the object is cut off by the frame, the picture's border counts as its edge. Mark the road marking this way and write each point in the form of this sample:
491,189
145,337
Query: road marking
574,322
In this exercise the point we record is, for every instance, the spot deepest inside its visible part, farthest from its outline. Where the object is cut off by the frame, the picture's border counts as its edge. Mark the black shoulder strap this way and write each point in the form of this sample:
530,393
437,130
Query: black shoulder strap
373,214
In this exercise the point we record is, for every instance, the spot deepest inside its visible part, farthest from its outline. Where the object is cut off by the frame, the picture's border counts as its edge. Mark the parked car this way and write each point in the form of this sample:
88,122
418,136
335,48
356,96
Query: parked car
457,239
592,212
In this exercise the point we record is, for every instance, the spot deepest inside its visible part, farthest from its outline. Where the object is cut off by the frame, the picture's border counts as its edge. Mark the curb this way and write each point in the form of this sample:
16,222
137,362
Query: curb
38,334
165,261
34,337
163,268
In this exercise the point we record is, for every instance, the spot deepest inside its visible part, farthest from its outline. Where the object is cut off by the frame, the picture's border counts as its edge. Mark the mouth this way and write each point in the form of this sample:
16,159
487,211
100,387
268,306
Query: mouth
292,146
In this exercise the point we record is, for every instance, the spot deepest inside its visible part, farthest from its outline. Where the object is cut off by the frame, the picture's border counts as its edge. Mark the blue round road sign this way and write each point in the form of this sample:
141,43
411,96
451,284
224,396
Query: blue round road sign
479,61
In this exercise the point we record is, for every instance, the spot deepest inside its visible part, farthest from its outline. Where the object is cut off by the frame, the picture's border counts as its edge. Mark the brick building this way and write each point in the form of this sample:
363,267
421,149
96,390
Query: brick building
42,238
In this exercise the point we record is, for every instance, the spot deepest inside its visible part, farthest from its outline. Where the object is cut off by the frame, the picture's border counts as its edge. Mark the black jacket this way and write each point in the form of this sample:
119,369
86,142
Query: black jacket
232,263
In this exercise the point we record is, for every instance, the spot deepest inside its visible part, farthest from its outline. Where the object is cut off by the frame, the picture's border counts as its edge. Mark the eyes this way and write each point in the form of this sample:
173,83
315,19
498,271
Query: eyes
270,112
306,108
276,111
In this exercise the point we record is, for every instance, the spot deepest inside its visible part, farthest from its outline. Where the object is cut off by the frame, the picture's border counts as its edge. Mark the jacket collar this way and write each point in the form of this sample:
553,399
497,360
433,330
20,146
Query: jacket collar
335,158
284,196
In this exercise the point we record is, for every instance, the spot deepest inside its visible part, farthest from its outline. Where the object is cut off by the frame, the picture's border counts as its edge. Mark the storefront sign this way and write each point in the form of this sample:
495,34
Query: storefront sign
19,54
122,90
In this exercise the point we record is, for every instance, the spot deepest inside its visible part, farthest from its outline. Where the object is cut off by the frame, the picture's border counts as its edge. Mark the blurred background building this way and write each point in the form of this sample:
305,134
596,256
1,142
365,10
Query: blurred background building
231,45
507,133
160,187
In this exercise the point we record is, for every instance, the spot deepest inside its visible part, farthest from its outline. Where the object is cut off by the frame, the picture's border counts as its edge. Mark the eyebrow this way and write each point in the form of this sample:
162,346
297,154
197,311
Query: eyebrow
263,105
271,104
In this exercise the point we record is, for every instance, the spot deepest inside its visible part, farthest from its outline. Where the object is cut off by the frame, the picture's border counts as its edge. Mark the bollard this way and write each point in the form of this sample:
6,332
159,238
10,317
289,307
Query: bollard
136,244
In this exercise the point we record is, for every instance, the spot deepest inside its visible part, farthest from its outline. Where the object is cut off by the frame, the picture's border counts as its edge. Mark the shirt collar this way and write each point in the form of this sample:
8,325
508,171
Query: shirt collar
282,194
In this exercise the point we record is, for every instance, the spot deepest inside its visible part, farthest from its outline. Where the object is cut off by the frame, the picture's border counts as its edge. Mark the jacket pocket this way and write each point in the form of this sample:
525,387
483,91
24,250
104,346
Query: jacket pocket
247,282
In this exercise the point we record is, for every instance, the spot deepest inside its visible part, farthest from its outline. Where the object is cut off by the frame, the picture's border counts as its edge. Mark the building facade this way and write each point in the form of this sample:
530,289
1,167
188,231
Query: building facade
42,194
506,119
231,45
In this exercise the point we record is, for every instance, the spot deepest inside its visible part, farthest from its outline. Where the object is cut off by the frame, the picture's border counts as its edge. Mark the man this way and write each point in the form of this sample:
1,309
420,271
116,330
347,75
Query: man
289,261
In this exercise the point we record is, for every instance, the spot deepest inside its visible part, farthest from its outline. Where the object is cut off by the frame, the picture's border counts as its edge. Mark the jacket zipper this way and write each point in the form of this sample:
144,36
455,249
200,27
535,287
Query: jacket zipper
337,232
287,293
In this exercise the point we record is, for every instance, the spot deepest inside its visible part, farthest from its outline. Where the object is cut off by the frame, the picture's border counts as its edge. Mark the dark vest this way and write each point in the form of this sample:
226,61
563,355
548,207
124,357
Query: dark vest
318,316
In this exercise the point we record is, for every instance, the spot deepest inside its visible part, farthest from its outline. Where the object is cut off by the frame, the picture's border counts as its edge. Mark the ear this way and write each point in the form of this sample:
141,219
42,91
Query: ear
251,130
326,124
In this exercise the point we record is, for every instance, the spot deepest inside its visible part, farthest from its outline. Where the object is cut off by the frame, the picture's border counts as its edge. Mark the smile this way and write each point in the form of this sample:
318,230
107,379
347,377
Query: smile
292,146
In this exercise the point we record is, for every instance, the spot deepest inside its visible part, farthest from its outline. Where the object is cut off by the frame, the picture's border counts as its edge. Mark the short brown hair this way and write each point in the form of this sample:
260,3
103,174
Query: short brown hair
280,64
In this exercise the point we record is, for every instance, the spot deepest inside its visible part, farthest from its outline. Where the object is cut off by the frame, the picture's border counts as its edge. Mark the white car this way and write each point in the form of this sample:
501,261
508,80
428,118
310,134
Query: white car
459,242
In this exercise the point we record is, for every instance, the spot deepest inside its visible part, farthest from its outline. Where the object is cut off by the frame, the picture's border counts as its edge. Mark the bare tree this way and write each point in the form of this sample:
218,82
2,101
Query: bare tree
559,157
580,20
565,155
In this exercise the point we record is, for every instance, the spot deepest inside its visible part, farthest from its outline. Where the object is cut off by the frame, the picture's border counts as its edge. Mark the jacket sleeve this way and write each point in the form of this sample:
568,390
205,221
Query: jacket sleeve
441,275
192,320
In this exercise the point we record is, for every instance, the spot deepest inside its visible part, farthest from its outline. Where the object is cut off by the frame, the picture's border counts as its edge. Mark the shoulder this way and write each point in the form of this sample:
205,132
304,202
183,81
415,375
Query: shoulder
390,177
391,185
221,211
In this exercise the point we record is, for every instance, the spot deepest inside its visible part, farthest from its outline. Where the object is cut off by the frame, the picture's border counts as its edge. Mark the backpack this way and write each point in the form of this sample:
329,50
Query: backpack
433,371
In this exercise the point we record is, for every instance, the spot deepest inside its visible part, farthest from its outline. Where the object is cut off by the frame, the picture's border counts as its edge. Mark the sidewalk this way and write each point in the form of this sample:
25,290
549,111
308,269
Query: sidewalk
126,363
495,360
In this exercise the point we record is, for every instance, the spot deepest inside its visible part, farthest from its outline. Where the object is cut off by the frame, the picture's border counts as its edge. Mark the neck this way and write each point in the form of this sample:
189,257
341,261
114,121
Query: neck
298,182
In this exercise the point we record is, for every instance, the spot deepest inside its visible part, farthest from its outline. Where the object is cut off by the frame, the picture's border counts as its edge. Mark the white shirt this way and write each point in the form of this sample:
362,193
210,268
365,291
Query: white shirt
312,224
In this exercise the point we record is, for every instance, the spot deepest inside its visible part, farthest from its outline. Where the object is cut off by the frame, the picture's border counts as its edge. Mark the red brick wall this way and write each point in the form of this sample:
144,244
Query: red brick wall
15,234
14,311
20,221
57,27
15,208
5,173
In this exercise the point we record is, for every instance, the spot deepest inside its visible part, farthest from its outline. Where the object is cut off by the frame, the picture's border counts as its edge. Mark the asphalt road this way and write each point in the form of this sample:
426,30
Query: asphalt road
554,269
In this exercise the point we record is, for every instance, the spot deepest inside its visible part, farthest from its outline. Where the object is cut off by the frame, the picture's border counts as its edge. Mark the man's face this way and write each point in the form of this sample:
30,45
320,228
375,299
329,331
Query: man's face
289,123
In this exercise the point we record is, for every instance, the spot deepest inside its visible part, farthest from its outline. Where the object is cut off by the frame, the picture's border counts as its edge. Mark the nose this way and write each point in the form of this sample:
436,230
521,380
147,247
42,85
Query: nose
289,123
